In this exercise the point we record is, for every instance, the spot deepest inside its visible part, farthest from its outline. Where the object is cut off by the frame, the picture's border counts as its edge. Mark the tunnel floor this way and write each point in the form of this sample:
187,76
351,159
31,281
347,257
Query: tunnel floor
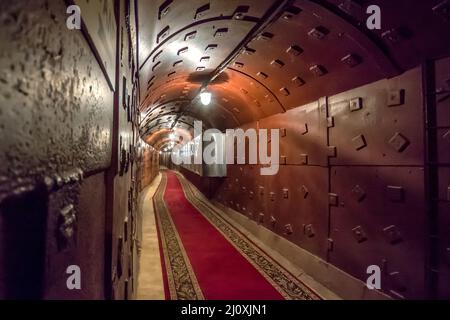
200,252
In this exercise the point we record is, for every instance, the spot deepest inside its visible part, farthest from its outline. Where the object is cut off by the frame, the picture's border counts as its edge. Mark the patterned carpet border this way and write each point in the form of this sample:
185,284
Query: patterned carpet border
287,285
181,279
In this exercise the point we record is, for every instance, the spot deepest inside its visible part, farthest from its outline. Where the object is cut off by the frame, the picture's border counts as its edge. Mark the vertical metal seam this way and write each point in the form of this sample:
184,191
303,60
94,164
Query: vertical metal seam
431,183
327,114
111,173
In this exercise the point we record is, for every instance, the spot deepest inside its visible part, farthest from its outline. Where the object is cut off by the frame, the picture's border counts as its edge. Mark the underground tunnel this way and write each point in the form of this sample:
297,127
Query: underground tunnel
225,150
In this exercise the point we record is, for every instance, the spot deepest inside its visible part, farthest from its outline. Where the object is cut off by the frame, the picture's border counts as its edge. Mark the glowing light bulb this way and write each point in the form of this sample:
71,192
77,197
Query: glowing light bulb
205,98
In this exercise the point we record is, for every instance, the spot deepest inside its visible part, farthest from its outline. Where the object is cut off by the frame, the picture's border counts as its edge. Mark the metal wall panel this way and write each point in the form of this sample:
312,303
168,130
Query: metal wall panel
57,115
76,218
442,69
378,219
302,134
122,177
288,56
443,234
376,200
379,124
155,16
444,250
147,165
442,143
377,195
207,185
240,190
296,199
408,42
252,193
442,98
291,203
282,65
443,92
99,19
443,146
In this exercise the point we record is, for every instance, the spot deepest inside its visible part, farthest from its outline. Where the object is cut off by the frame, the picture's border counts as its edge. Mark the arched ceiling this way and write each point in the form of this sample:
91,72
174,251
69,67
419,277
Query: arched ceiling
263,57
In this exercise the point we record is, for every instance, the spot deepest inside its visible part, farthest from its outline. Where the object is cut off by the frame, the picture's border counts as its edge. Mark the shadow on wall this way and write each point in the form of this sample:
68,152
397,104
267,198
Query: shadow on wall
22,246
208,186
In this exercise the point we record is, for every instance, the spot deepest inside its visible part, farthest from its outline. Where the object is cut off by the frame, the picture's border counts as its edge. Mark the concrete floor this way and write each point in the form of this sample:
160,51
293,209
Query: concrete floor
150,281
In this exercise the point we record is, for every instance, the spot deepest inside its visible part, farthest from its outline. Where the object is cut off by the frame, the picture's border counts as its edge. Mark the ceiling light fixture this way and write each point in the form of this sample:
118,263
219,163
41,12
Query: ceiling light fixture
205,98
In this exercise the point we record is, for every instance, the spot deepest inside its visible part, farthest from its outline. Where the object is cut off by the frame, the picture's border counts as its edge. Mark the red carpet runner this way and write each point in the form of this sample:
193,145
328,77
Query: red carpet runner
204,257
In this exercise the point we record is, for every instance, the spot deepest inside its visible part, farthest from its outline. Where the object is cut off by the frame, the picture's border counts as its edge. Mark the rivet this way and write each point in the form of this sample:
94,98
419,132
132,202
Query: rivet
318,70
359,142
277,63
351,60
318,32
265,36
211,47
294,50
262,75
298,81
356,104
399,142
288,229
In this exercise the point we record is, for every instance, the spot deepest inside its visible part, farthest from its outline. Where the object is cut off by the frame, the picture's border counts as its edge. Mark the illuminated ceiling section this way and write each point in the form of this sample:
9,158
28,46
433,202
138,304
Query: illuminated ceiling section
261,58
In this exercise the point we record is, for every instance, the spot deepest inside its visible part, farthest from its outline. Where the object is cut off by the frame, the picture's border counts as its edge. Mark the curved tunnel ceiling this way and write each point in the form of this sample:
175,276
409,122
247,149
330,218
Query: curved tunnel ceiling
260,58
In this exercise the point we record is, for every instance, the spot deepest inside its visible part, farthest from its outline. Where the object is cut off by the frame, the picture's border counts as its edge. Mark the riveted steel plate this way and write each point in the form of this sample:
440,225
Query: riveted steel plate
155,16
194,53
294,197
378,133
443,92
444,250
304,139
301,75
392,227
305,208
425,40
444,183
186,49
251,196
443,145
259,101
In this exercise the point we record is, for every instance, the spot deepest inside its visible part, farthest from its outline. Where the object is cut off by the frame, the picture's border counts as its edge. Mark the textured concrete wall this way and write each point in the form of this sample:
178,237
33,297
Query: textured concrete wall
56,105
56,123
70,171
